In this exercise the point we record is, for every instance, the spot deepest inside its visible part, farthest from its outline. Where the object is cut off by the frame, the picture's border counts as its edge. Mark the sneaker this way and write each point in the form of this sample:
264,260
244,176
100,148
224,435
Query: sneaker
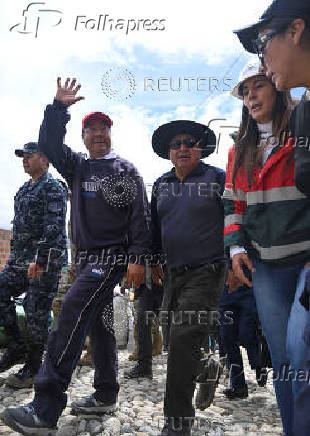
24,420
139,371
11,357
24,378
89,405
238,393
207,382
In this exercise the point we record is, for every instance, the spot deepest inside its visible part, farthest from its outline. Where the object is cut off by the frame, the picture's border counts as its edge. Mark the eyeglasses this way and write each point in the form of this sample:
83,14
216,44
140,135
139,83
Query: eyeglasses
190,143
261,42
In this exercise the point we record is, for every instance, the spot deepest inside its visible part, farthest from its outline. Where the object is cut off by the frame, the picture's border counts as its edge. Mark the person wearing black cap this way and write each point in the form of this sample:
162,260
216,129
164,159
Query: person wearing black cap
281,38
187,218
110,229
38,252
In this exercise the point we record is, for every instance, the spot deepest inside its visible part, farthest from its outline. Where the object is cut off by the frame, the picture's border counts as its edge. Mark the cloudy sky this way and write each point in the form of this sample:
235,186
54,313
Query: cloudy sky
144,63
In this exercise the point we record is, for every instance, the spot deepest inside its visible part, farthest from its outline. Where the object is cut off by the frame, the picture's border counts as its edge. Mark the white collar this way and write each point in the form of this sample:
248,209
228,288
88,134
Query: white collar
110,155
265,128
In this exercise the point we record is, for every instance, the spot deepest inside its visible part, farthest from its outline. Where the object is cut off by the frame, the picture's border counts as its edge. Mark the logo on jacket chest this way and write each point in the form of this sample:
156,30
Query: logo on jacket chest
118,190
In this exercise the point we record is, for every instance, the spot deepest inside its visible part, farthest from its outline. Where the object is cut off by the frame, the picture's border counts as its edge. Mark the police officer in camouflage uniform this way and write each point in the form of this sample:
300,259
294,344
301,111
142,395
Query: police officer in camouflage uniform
38,252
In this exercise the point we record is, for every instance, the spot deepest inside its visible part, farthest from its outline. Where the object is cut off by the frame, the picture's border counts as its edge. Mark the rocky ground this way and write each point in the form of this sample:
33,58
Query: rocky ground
141,407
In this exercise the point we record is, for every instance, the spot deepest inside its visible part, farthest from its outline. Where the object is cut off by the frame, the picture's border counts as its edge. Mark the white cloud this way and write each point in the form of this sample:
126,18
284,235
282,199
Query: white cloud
199,32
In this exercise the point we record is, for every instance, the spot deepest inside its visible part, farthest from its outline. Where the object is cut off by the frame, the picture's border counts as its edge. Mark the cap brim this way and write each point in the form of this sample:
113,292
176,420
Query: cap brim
249,34
235,92
162,136
19,153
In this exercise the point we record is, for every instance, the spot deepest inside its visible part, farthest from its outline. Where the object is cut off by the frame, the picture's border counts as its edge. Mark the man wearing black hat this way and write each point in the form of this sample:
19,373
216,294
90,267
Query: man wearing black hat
187,217
38,252
110,229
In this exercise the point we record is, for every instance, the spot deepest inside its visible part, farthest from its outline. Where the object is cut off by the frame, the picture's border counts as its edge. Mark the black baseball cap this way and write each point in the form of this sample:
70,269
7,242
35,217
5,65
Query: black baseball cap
290,9
30,147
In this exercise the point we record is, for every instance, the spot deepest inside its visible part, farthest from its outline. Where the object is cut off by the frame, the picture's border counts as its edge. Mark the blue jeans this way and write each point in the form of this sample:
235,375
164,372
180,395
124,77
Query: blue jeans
277,291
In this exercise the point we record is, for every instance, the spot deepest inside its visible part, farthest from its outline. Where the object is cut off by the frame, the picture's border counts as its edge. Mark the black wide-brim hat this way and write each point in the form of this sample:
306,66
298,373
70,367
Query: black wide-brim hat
163,135
278,9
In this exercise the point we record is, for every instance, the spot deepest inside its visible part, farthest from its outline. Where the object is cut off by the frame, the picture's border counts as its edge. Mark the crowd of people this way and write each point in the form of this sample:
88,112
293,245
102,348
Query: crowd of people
246,231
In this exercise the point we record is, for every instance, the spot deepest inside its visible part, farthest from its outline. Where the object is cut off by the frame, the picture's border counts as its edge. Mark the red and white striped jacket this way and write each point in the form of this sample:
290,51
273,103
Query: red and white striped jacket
271,219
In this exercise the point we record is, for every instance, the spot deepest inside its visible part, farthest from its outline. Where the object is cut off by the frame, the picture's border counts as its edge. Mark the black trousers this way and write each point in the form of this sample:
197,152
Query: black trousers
150,301
191,298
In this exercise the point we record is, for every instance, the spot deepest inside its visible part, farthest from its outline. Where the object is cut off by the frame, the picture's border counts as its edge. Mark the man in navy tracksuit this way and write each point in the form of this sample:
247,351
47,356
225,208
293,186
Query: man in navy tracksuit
109,219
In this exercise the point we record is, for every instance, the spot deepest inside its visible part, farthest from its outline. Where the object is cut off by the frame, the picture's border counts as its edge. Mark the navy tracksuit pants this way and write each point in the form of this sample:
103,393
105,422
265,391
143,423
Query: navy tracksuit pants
86,309
239,327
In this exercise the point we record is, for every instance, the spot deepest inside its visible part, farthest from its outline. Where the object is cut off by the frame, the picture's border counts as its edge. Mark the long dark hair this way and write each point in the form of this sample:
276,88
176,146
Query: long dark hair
246,146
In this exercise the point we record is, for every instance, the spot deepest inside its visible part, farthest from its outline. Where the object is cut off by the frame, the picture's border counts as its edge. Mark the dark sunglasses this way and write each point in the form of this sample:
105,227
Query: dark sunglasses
261,42
190,143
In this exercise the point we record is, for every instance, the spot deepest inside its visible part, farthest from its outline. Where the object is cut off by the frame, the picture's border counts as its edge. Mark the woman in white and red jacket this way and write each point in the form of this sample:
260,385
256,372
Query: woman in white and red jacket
267,227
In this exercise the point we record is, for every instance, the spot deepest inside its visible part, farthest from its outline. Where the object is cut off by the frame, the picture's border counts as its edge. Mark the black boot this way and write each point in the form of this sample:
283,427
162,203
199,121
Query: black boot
140,371
207,382
238,393
24,378
16,349
261,376
177,427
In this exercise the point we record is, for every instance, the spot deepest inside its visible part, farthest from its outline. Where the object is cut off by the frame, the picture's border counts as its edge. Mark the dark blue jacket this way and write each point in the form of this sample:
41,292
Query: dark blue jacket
109,202
188,216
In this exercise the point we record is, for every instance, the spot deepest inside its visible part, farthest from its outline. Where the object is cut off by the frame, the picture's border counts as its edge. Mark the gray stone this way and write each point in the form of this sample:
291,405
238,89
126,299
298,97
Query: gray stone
94,427
82,426
112,427
66,430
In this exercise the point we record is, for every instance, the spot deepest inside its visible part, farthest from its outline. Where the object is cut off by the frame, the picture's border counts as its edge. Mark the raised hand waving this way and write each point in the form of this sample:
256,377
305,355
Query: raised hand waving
67,93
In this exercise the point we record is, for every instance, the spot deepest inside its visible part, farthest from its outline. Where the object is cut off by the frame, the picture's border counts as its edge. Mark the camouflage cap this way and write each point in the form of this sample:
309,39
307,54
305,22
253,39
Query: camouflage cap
30,147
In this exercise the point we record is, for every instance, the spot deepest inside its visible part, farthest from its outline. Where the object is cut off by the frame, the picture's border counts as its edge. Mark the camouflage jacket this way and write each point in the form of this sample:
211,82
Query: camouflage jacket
39,225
